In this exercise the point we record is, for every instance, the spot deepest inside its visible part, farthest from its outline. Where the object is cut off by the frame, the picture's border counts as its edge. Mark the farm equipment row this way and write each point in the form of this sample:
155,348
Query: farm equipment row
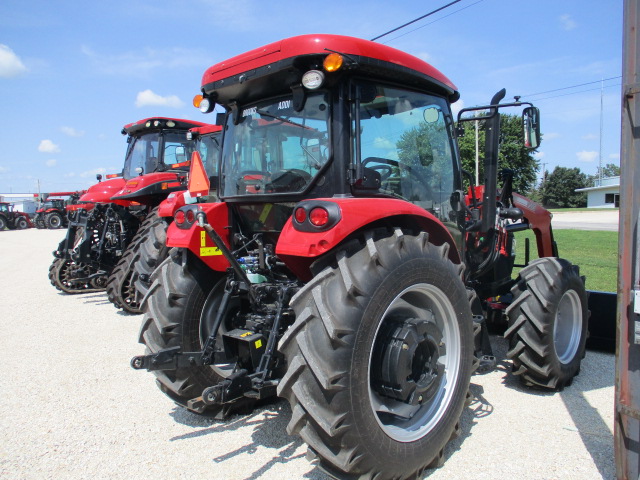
320,245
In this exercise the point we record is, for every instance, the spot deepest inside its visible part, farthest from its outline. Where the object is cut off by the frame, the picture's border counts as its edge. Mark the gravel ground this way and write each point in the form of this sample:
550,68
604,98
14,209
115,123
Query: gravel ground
72,407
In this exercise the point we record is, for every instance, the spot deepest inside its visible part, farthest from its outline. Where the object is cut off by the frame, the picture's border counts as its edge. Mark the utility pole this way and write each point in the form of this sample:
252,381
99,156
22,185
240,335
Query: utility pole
627,390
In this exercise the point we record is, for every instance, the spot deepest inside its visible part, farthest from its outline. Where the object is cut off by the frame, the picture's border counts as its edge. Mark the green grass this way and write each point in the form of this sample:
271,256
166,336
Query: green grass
595,252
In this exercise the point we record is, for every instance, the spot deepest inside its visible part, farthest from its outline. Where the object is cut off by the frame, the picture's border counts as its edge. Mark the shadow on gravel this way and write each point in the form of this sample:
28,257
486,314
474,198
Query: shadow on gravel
593,430
269,425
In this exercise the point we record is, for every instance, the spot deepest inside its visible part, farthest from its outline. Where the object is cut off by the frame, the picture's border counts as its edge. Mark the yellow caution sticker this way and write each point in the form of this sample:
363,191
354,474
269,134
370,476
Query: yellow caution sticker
246,334
258,344
265,212
207,251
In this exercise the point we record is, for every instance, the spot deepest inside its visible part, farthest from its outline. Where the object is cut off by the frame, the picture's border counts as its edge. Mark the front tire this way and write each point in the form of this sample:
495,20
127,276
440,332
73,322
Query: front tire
548,322
53,220
380,357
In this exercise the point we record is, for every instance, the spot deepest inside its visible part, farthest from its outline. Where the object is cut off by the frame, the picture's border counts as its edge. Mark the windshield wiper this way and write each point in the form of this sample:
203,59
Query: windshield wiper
282,119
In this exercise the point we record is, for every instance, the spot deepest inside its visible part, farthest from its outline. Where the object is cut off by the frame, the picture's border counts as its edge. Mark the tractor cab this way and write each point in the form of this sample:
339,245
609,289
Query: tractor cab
157,144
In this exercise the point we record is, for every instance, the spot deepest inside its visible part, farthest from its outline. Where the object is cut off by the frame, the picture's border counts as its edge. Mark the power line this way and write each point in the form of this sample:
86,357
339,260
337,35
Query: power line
416,20
434,21
572,86
575,93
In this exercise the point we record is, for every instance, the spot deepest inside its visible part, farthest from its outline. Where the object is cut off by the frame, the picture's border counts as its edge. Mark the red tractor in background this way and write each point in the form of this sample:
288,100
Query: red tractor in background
346,268
129,281
52,212
98,237
12,219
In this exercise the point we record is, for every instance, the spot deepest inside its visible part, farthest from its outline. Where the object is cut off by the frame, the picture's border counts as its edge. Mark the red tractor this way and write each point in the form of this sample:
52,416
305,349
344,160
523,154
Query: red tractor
52,212
99,235
12,219
345,268
129,281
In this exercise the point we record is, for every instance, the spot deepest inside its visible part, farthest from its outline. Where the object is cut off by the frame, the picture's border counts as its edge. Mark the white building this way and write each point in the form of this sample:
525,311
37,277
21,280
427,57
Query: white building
606,193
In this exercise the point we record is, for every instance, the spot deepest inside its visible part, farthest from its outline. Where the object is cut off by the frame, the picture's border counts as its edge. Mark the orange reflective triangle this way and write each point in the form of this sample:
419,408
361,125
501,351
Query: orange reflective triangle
198,178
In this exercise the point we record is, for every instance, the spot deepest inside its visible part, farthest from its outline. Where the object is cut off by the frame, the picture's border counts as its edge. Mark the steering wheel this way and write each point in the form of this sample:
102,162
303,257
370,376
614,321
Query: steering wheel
291,180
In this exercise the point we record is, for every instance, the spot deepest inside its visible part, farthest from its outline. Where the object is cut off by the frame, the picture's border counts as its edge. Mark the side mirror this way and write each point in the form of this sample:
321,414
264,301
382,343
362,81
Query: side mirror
99,177
531,127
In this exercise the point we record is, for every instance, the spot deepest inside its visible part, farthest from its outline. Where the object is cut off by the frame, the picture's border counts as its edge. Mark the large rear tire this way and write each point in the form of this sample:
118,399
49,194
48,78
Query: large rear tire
173,308
548,323
121,289
380,357
151,253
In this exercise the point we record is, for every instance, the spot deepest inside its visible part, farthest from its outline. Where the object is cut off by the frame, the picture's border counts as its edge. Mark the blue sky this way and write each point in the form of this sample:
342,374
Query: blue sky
73,73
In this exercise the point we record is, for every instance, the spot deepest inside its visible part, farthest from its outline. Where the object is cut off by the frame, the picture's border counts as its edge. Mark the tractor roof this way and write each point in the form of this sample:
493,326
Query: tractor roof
280,64
159,123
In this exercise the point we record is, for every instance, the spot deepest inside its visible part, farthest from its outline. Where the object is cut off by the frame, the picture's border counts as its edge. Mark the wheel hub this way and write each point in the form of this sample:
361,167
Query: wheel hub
407,367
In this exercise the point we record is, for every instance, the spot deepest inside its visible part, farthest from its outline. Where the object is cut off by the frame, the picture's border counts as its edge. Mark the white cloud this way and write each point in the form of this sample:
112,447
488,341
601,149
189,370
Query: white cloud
567,22
47,146
72,132
539,155
143,63
383,143
4,169
590,136
614,156
92,173
147,98
550,136
51,162
585,156
10,63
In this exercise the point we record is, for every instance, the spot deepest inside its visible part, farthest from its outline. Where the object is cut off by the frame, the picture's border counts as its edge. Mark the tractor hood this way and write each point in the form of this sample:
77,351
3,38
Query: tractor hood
159,183
102,192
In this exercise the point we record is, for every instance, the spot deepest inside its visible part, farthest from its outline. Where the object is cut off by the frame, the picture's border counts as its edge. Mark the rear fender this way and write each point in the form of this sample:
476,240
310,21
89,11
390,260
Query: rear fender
195,239
299,245
169,205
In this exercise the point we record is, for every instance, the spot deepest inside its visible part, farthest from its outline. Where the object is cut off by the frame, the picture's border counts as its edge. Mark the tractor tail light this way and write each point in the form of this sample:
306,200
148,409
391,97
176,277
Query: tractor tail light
179,217
300,215
316,216
319,217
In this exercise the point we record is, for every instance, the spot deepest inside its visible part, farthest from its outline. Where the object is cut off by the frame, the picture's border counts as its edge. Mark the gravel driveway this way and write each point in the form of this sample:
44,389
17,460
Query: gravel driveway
72,408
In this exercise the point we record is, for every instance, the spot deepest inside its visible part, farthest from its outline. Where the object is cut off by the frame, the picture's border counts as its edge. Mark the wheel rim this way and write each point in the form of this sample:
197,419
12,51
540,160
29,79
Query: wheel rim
435,360
567,328
54,221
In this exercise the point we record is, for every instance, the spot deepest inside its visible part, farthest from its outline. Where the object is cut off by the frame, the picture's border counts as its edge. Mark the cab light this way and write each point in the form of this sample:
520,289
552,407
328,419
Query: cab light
300,215
171,124
206,105
318,217
313,79
197,100
179,218
191,217
156,123
333,62
132,183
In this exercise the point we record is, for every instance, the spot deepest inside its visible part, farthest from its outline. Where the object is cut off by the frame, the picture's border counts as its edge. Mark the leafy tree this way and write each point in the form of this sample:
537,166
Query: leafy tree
513,155
609,170
559,188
